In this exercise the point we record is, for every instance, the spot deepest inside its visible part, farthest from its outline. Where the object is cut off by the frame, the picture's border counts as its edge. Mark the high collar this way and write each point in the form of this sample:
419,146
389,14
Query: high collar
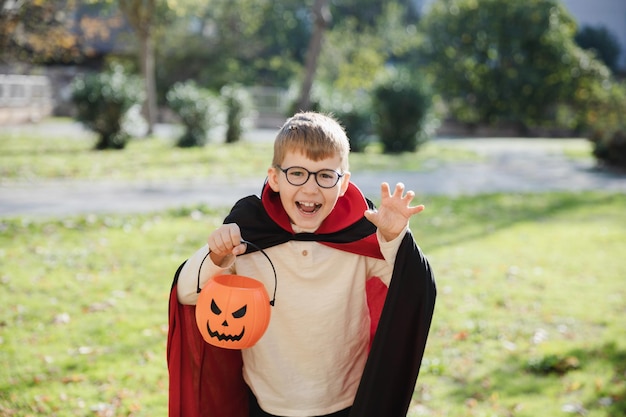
348,210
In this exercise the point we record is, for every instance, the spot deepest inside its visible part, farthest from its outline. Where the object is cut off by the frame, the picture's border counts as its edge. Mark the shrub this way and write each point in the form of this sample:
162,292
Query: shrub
103,102
402,113
358,124
353,111
606,123
238,104
198,110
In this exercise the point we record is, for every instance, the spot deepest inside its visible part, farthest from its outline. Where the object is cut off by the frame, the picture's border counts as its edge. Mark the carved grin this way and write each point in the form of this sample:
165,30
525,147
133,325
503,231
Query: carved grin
227,337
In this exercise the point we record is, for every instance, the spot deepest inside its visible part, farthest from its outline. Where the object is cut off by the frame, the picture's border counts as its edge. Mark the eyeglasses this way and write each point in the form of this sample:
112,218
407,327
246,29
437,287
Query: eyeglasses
325,178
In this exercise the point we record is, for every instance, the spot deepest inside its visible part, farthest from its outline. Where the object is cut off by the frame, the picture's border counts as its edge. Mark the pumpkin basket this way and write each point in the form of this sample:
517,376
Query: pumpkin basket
233,311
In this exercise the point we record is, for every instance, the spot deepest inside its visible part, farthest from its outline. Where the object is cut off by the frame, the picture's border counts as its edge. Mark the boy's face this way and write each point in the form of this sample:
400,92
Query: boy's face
309,204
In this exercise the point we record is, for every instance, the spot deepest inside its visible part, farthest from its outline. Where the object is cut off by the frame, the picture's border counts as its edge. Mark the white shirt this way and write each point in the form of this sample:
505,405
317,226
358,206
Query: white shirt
310,360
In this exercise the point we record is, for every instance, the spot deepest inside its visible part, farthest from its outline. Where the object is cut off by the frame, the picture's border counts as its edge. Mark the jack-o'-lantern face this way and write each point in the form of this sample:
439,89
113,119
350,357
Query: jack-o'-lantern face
225,328
232,311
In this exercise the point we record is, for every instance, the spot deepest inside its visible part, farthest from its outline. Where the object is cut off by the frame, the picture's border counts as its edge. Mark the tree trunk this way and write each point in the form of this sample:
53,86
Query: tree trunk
148,73
322,18
141,15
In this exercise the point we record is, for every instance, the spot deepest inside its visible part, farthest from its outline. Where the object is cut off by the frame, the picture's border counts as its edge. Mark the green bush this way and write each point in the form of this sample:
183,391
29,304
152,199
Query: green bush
605,118
354,112
238,104
500,62
198,110
402,109
358,124
104,102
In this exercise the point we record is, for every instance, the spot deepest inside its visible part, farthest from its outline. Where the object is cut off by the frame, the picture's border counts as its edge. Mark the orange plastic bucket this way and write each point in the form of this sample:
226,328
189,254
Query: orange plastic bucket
233,311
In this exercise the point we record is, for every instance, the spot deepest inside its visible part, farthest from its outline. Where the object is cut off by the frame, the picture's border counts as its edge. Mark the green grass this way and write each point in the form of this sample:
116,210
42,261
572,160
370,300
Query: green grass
530,315
24,155
529,319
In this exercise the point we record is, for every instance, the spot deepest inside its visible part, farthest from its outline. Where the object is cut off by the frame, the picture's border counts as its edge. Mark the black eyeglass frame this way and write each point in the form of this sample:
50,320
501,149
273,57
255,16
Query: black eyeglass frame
284,170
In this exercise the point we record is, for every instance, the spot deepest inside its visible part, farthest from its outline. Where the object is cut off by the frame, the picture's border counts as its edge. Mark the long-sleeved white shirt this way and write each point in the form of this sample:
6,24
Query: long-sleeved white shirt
311,358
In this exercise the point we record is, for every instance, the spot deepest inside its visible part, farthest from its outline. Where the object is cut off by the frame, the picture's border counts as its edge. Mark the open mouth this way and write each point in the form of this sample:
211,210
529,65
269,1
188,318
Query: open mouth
227,337
308,207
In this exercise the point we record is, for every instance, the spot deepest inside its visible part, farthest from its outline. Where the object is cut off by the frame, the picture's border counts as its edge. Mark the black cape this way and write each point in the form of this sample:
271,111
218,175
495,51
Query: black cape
206,381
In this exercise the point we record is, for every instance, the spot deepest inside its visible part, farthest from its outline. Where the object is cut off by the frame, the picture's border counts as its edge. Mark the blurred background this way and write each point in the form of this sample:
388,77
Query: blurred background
550,68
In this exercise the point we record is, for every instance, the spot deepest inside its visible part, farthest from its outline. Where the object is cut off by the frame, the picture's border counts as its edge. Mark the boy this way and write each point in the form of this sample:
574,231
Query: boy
325,240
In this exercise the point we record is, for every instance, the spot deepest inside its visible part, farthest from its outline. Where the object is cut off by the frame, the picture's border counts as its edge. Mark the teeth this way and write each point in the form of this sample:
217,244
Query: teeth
307,204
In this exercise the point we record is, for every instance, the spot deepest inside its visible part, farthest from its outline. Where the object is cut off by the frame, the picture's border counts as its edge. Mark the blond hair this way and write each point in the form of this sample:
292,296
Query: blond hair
317,136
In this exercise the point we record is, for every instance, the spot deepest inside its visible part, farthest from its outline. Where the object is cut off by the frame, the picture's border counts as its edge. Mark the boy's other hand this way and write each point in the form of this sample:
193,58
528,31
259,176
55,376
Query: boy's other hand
394,212
225,241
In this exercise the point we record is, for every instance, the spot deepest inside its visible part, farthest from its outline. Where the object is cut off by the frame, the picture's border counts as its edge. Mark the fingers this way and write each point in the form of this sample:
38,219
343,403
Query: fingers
370,215
226,239
398,192
416,209
239,249
384,190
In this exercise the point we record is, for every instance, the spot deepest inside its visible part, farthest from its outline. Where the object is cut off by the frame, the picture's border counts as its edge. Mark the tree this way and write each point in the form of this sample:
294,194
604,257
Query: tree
141,15
368,12
35,32
146,18
602,41
355,55
250,42
321,19
496,61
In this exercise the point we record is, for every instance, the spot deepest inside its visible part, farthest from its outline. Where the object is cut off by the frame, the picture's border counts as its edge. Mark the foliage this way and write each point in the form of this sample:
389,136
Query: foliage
402,107
147,18
354,112
357,121
249,42
264,43
103,102
84,317
397,28
602,41
359,47
355,55
239,106
367,12
502,62
198,109
36,32
605,120
351,60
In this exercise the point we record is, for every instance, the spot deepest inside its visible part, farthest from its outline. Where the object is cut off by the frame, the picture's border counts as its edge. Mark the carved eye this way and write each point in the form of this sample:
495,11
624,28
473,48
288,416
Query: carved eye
241,312
215,309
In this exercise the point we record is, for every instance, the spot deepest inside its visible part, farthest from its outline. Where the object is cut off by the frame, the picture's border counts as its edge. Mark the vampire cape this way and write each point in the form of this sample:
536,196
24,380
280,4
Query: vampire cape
206,381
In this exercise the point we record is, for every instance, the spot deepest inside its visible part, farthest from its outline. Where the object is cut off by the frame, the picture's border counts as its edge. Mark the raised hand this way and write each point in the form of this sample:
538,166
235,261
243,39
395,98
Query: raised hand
394,212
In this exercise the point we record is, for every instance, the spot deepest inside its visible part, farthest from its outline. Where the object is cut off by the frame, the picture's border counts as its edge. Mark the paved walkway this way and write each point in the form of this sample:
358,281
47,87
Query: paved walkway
509,165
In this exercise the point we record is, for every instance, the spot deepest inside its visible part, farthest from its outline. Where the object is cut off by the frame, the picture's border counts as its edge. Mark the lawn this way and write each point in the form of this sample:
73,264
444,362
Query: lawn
529,319
58,155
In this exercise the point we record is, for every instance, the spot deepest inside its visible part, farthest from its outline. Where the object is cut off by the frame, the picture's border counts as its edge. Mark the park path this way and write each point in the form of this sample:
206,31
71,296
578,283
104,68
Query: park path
507,165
